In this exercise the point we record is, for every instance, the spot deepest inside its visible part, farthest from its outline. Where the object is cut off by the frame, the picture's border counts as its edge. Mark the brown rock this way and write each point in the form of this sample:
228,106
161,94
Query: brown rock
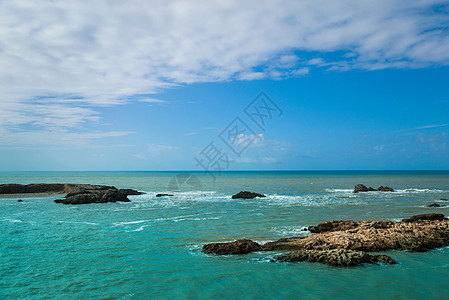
335,257
362,188
333,226
385,189
439,217
237,247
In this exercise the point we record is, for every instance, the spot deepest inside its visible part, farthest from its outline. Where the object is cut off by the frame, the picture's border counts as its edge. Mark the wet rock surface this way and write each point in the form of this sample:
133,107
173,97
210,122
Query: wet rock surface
238,247
362,188
335,257
352,240
247,195
333,226
75,193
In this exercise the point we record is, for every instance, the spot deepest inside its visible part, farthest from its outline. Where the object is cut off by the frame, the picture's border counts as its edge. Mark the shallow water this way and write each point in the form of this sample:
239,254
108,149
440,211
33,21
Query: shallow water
151,246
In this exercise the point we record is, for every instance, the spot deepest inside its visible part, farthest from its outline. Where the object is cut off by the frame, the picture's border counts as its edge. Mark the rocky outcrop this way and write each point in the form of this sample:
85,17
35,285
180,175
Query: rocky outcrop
333,226
425,217
417,233
75,193
96,196
436,205
385,189
246,195
164,195
362,188
237,247
335,257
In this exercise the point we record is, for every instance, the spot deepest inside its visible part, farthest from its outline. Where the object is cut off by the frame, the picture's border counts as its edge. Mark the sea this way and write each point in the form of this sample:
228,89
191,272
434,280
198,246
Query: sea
150,248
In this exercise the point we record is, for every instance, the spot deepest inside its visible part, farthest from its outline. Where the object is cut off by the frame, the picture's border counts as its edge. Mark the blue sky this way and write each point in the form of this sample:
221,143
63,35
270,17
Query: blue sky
148,85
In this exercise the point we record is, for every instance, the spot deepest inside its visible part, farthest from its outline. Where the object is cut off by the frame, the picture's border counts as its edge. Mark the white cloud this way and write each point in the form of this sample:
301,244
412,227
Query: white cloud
152,100
158,149
81,55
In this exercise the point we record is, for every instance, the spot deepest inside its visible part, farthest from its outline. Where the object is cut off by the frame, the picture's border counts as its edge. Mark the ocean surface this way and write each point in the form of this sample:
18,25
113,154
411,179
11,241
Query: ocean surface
150,248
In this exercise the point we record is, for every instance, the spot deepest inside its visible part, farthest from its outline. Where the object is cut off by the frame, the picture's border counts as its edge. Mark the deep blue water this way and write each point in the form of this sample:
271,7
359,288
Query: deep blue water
150,247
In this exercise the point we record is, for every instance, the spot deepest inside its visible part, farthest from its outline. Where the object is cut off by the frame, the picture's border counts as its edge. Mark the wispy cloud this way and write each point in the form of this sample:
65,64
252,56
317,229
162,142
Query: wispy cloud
191,133
423,127
72,57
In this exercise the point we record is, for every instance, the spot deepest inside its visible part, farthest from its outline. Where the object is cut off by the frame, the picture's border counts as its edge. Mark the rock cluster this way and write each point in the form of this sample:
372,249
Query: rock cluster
75,193
362,188
237,247
335,257
246,195
345,243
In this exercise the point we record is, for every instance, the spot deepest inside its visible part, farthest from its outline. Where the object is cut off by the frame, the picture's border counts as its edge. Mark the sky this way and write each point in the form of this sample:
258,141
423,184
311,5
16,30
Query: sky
186,85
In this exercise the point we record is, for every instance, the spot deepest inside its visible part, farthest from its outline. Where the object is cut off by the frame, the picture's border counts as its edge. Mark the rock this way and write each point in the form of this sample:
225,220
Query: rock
75,193
130,192
333,226
20,200
164,195
246,195
385,189
99,196
438,217
237,247
362,188
436,205
444,199
335,257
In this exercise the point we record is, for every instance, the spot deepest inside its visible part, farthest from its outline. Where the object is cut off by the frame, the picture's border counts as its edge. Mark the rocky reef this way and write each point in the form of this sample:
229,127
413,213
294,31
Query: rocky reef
363,188
345,243
75,193
247,195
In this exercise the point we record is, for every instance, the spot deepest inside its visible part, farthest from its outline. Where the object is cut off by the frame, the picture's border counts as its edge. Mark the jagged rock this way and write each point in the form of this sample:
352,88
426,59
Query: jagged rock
75,193
99,196
237,247
164,195
438,217
436,205
246,195
130,192
335,257
417,233
333,226
385,189
362,188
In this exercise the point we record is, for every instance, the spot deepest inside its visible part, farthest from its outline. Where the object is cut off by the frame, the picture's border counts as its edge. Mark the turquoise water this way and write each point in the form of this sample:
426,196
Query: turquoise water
151,246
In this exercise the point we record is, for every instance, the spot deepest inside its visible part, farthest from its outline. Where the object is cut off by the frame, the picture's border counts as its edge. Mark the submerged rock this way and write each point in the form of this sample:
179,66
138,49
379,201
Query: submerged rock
164,195
362,188
246,195
20,200
335,257
237,247
436,205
